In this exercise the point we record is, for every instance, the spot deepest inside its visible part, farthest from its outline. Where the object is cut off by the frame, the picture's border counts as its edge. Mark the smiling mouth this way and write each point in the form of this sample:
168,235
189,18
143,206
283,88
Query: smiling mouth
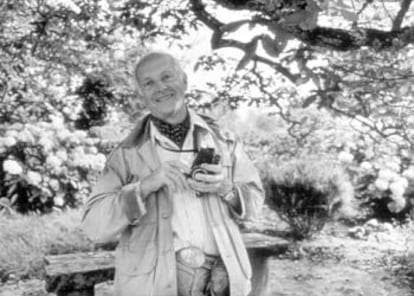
163,98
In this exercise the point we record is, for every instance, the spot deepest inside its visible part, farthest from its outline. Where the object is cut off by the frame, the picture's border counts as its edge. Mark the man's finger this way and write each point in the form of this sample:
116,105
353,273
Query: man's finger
212,168
170,185
203,187
210,178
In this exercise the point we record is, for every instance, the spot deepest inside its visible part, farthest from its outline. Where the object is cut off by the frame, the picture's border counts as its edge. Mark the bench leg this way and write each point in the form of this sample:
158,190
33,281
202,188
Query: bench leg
84,292
260,272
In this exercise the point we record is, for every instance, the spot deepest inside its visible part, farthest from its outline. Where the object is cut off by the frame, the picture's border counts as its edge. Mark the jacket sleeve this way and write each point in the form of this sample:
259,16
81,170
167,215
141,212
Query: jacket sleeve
114,203
247,185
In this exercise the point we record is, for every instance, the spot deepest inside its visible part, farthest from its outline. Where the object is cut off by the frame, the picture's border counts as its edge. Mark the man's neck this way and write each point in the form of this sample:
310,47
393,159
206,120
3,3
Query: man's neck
175,120
175,132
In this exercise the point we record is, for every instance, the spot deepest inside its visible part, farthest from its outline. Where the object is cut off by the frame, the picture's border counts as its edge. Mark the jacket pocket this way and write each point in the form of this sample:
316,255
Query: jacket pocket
136,258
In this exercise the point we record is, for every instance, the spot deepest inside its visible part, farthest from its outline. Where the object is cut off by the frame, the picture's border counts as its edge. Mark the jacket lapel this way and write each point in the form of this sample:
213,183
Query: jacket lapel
139,140
148,155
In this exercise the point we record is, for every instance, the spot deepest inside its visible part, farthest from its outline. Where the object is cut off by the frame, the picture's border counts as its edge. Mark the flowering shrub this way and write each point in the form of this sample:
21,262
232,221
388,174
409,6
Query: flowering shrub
380,169
383,183
45,165
306,193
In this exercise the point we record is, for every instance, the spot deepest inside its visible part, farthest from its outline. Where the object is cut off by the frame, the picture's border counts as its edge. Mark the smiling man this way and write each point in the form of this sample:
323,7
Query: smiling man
175,220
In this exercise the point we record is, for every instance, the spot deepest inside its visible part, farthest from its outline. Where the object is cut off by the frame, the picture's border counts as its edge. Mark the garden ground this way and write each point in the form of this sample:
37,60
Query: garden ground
372,260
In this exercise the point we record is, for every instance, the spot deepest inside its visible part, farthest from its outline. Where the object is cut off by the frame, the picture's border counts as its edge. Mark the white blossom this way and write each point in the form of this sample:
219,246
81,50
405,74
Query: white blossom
64,135
9,141
12,133
34,177
46,143
381,184
62,155
366,166
387,174
12,167
403,181
34,130
409,173
92,150
396,205
397,189
59,201
26,136
100,161
54,184
81,135
57,120
345,157
53,161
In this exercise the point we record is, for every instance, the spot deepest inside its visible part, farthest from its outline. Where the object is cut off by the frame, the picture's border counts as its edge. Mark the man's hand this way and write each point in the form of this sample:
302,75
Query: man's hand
170,174
213,182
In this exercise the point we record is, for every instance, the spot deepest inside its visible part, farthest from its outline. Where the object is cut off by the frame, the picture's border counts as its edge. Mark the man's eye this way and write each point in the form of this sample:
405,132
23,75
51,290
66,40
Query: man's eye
148,84
167,77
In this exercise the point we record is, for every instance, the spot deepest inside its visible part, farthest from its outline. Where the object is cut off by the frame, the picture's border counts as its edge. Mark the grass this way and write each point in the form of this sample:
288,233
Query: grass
26,239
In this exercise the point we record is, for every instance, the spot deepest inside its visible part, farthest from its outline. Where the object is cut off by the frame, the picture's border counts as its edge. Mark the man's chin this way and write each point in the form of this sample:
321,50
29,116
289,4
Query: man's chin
171,115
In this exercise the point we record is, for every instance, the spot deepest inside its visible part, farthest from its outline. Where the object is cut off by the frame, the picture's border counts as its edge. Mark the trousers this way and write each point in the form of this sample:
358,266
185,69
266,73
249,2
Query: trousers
211,279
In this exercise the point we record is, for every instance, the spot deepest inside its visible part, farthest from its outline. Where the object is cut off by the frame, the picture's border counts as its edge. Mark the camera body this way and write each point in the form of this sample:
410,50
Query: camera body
204,155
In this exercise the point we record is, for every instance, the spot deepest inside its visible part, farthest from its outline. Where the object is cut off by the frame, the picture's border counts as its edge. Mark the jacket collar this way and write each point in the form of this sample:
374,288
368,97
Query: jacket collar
141,132
138,135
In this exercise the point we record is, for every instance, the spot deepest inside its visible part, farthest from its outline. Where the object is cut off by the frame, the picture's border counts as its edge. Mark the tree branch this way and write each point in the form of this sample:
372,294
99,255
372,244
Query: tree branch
217,40
325,37
343,40
405,5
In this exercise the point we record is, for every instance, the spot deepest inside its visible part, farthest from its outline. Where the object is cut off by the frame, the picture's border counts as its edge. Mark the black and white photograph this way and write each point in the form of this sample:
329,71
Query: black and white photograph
206,148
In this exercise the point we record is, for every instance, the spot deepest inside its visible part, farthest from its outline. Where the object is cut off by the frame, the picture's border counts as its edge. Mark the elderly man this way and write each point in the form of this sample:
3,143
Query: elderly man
176,227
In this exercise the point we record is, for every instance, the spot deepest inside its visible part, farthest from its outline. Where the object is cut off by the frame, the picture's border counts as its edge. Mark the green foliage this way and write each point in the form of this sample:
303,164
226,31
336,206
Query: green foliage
63,65
380,171
47,165
383,185
305,193
96,96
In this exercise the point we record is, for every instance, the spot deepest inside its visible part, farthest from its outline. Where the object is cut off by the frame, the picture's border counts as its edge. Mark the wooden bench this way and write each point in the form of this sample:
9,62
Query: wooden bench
76,274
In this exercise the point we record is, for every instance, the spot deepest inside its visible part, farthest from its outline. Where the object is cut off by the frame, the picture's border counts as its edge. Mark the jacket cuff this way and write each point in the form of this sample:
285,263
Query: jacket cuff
132,203
238,211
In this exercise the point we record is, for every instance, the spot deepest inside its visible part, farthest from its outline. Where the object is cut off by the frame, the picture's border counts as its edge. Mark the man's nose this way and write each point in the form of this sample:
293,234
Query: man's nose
159,85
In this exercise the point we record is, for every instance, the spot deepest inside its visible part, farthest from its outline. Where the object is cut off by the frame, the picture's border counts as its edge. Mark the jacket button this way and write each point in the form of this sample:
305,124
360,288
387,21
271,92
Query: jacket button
165,215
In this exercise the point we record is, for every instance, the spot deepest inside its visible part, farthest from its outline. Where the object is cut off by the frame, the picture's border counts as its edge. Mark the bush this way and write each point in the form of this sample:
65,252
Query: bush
46,165
383,193
381,169
96,95
305,193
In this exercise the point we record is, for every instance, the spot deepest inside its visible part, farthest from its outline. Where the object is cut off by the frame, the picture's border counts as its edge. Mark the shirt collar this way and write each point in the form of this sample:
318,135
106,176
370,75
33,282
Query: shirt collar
195,122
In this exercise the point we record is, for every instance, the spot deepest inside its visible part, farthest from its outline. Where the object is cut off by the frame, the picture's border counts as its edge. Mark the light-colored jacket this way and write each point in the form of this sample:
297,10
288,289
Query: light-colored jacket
145,256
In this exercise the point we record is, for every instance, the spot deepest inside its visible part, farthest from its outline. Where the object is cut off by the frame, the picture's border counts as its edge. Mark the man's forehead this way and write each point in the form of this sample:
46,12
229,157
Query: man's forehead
156,60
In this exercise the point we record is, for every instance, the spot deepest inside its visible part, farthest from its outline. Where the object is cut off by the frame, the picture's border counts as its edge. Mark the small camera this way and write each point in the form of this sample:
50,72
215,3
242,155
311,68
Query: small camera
204,155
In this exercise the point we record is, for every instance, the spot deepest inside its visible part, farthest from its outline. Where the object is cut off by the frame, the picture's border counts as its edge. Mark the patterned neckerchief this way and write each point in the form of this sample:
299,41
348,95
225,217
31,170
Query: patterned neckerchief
174,132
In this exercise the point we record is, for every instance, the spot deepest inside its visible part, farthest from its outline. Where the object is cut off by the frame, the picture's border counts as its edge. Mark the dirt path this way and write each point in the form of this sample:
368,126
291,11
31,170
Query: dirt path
378,263
305,278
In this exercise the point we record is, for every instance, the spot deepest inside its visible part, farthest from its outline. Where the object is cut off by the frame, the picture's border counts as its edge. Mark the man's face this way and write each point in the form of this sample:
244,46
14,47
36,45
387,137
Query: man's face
163,87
